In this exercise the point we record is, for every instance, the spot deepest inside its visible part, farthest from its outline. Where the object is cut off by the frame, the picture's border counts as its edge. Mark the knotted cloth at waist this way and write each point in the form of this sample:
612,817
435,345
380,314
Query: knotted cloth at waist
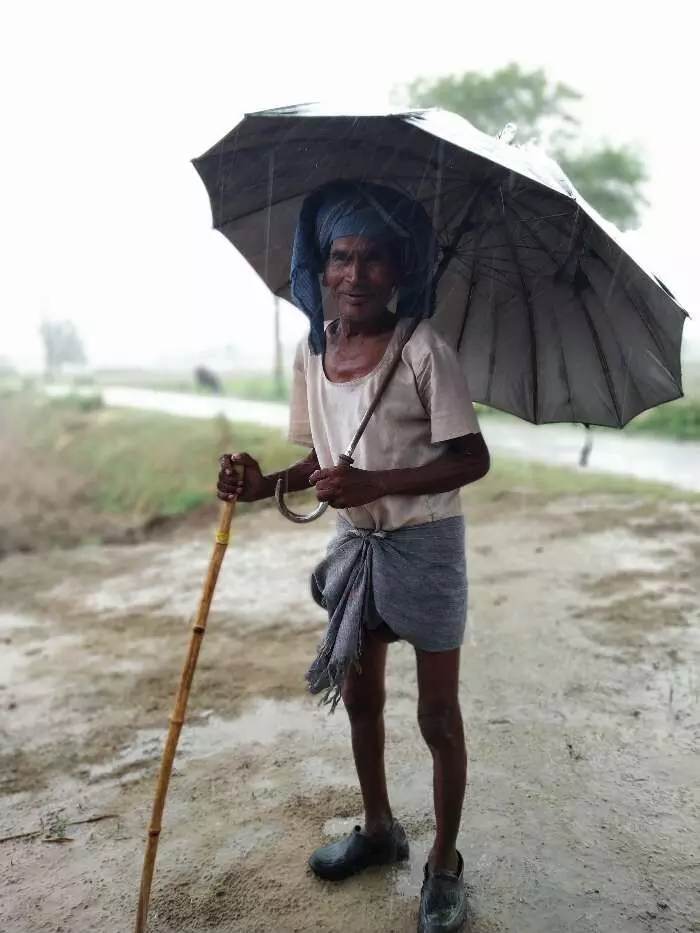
411,578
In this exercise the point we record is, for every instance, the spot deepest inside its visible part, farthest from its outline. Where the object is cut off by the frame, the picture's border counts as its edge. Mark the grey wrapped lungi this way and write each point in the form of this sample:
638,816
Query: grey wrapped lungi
414,579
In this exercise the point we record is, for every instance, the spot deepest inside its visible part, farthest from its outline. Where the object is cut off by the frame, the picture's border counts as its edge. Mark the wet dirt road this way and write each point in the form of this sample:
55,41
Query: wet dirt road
580,688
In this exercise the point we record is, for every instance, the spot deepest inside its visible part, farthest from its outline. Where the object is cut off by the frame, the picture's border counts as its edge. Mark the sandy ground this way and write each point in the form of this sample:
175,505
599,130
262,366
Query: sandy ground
580,689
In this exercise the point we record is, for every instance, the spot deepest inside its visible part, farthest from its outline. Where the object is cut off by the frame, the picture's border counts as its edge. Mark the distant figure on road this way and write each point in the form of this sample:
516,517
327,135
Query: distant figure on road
205,379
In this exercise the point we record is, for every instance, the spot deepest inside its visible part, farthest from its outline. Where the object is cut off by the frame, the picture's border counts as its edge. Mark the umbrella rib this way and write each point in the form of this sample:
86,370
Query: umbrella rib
451,249
547,252
472,288
602,359
424,165
629,373
470,295
601,356
492,350
534,362
298,194
640,314
348,141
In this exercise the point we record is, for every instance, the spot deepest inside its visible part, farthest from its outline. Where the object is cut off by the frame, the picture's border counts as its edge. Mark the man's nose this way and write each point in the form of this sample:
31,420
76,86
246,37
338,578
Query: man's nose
354,271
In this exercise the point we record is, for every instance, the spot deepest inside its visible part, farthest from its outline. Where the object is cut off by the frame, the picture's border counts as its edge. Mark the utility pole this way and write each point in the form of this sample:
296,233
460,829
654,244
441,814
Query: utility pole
278,369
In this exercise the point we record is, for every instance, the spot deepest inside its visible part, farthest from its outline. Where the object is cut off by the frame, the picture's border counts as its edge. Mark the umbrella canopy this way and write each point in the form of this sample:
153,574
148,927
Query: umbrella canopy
554,319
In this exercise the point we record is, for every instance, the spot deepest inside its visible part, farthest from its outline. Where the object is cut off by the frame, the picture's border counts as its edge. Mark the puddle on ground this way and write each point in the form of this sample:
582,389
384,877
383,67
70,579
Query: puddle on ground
15,659
406,877
263,724
12,663
626,552
12,621
341,826
249,586
244,841
324,773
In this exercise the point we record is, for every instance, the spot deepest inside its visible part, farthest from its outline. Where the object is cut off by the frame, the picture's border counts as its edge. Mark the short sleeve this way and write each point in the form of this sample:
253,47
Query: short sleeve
299,426
444,390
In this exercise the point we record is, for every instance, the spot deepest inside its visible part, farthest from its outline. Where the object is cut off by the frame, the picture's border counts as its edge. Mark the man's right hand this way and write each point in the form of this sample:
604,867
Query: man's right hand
229,486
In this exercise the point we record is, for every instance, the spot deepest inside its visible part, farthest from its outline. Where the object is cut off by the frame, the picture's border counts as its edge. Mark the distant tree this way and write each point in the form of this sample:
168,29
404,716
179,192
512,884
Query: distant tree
610,178
62,345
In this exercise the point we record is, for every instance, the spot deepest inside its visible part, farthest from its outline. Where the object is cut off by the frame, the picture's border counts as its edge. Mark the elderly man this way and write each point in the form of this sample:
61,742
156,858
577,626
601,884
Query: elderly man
396,566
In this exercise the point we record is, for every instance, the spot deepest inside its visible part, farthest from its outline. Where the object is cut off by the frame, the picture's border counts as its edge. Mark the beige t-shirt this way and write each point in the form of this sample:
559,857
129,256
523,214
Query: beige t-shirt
427,403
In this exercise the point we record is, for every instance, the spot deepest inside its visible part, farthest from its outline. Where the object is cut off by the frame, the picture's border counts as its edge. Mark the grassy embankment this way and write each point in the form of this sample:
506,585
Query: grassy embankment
75,471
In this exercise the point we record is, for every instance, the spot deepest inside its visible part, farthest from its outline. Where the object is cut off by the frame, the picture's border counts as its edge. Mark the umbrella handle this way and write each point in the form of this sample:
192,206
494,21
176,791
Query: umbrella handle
345,461
296,516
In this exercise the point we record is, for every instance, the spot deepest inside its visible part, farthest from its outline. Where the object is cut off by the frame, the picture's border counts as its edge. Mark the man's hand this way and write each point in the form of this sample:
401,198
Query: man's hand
344,487
229,486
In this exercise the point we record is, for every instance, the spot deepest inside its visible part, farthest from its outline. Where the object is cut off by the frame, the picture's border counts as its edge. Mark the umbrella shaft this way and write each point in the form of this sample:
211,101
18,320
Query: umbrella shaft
380,390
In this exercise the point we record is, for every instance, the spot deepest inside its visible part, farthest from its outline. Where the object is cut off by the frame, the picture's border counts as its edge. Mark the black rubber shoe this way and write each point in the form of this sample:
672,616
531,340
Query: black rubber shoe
348,856
444,906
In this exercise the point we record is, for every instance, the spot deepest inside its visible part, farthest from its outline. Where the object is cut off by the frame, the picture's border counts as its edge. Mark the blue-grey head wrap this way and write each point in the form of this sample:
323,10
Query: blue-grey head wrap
348,208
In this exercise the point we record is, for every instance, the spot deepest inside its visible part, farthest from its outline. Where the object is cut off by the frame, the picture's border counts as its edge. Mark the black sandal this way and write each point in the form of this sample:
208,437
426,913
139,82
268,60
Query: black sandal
354,853
444,906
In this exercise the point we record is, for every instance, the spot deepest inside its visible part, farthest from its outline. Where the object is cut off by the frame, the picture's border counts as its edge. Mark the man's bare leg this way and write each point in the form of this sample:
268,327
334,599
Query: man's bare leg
440,721
383,841
364,695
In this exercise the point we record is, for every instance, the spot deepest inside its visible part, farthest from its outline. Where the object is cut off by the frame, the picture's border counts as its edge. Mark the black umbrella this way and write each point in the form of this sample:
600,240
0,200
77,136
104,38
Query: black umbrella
554,319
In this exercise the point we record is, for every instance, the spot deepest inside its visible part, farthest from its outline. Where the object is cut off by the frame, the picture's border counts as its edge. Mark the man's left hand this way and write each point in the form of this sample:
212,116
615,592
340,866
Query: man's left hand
344,487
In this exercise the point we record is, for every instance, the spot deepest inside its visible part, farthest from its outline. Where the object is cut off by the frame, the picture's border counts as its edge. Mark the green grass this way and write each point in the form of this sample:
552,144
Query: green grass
146,464
257,386
510,475
678,420
142,463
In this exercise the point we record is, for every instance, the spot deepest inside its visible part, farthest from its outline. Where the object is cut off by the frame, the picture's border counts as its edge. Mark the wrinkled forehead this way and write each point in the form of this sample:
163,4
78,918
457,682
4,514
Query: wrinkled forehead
360,245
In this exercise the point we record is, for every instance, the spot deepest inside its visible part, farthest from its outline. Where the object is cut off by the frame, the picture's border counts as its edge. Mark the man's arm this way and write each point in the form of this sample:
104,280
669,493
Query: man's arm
465,461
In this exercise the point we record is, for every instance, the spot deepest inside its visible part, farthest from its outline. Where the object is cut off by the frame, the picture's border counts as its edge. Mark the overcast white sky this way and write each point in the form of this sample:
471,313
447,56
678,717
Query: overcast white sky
104,220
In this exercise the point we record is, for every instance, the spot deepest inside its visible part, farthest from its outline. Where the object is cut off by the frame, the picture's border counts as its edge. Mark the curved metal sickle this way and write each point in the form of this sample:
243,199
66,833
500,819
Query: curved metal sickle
295,516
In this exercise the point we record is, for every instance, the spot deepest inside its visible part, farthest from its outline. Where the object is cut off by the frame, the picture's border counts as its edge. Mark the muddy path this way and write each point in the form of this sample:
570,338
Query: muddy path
580,687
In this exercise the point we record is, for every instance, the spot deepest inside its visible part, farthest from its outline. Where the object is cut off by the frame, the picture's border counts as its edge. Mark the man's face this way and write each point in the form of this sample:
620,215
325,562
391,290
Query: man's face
361,275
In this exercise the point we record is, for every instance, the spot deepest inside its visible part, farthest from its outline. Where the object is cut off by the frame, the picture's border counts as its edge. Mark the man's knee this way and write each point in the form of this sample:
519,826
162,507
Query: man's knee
363,705
441,725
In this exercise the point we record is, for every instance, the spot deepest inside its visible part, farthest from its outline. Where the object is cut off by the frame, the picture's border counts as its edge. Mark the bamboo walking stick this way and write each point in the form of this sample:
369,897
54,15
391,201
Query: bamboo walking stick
178,715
